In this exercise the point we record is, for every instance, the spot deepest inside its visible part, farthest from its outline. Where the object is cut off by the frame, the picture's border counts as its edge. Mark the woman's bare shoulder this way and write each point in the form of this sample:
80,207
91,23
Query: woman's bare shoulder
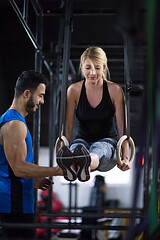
115,90
75,87
73,92
114,87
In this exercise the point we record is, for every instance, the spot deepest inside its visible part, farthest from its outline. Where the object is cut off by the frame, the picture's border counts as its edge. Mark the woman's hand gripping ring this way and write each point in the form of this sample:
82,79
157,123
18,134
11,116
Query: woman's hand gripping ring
118,150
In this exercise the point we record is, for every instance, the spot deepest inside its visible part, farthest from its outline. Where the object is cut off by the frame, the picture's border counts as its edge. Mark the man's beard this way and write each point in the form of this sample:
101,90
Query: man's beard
30,105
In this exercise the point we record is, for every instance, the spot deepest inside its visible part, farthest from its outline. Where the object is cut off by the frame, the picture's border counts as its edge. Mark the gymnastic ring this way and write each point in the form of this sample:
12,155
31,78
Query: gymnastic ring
59,140
119,144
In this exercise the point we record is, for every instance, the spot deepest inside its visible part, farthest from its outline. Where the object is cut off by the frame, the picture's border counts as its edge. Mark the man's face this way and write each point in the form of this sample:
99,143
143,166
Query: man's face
36,99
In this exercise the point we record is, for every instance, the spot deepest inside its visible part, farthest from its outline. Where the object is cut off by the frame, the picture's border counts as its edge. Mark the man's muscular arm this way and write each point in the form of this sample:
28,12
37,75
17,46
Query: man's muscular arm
13,135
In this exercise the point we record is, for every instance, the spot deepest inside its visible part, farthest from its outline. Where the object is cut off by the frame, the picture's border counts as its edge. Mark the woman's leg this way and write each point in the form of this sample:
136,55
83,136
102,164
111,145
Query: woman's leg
102,153
77,142
94,161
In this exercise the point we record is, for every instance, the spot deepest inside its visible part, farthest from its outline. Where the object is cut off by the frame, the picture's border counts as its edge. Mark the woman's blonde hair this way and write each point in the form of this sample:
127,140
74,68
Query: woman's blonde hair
97,54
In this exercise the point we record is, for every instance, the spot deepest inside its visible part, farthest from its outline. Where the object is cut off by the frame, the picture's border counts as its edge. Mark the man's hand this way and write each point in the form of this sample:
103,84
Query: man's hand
59,171
42,183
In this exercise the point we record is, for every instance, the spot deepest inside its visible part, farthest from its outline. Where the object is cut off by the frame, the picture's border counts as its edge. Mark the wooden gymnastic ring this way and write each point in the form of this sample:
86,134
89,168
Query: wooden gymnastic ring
58,141
119,144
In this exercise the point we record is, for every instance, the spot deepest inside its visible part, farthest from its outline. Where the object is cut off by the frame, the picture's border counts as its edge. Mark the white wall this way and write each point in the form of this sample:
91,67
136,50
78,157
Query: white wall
121,192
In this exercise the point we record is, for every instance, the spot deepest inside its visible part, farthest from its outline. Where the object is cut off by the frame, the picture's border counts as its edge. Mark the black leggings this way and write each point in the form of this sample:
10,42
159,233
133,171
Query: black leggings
17,233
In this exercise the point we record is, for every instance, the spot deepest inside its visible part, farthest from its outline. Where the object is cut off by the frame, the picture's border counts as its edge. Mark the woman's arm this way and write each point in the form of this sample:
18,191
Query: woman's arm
70,110
117,97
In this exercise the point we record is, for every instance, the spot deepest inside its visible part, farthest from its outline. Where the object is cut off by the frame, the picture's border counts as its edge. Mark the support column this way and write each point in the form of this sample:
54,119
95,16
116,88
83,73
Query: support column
66,56
37,115
38,67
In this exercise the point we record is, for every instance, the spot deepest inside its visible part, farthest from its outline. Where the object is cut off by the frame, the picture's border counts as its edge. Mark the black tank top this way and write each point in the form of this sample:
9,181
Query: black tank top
96,123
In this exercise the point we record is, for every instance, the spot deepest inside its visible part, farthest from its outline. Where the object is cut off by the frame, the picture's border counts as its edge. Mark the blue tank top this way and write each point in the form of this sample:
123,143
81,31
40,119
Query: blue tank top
96,123
16,194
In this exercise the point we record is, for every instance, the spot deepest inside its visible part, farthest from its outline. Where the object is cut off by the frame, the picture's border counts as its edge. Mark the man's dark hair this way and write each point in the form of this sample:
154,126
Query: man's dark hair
29,80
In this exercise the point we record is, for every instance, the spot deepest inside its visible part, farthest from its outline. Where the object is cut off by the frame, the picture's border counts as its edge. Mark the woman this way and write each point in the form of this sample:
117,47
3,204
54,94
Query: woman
97,103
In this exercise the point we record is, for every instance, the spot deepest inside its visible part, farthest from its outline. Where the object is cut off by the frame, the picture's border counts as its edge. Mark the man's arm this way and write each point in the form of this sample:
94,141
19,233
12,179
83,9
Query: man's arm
14,134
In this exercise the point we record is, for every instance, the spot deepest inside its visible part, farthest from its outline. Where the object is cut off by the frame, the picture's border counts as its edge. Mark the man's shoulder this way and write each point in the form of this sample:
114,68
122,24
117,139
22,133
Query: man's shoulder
13,129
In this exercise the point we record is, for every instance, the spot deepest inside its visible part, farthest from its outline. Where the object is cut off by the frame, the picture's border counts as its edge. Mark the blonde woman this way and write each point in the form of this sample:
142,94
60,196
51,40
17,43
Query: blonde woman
98,105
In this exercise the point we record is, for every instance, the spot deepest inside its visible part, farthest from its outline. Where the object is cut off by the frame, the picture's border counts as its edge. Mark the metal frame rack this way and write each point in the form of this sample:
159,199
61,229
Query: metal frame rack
64,66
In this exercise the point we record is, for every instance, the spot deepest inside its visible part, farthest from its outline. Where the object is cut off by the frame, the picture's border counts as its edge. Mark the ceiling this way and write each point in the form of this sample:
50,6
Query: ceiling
105,23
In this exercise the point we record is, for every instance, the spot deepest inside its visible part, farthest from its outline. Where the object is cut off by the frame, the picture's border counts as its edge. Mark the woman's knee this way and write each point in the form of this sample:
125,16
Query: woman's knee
77,142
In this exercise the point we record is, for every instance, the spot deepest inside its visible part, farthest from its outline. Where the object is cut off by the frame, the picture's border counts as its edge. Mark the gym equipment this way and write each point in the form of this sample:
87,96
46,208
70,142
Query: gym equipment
118,150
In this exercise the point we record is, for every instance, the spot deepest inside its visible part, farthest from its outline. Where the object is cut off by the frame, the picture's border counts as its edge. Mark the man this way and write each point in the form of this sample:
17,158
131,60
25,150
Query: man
18,173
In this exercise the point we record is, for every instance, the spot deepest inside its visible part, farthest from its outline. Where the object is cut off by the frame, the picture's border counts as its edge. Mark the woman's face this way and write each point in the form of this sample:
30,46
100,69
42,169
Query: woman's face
92,70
